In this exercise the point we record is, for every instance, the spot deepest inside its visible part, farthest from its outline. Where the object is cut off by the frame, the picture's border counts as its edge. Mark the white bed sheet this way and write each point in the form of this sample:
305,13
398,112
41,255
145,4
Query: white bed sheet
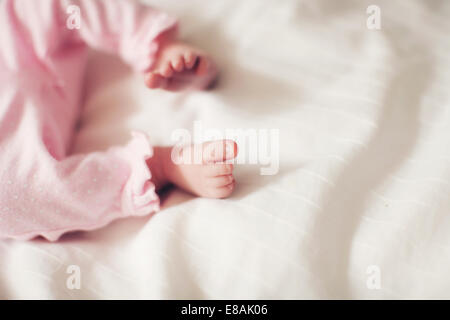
364,180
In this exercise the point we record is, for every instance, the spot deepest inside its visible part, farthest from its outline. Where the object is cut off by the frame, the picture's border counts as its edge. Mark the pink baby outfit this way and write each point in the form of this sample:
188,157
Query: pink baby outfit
44,191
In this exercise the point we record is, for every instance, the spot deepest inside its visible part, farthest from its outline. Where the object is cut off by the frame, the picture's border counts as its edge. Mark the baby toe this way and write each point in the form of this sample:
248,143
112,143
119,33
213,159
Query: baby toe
178,64
219,151
151,80
154,80
217,170
167,70
223,192
220,181
190,59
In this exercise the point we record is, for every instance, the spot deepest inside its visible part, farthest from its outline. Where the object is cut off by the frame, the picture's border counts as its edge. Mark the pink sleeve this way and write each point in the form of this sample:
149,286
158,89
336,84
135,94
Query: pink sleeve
45,197
44,192
123,27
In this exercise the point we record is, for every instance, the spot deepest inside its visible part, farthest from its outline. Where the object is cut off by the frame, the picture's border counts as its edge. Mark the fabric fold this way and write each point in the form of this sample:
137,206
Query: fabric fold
139,195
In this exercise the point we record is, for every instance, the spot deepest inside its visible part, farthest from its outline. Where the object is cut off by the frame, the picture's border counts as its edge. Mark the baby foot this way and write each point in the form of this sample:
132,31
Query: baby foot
205,172
180,66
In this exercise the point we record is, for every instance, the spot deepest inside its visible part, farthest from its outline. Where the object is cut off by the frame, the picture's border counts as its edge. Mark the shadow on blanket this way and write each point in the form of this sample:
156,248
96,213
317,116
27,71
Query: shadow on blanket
390,145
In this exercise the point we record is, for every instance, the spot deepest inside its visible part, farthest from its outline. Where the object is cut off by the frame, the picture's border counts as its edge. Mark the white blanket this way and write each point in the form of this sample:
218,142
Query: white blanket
360,207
